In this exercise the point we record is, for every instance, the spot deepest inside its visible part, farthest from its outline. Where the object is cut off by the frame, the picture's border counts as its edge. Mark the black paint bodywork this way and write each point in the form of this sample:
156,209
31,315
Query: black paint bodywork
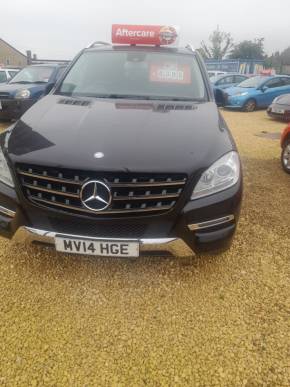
135,136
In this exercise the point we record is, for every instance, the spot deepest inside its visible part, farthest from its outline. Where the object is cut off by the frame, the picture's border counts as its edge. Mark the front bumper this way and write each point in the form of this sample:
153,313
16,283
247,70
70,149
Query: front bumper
204,225
231,101
282,116
13,109
173,246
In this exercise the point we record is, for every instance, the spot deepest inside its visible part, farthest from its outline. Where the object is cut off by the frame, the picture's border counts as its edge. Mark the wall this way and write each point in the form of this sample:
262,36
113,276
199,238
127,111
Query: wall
10,57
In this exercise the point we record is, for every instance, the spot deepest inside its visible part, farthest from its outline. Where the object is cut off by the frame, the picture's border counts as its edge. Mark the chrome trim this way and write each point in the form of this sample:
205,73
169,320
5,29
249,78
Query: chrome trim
211,223
148,184
175,246
49,178
111,184
52,191
7,212
146,197
75,208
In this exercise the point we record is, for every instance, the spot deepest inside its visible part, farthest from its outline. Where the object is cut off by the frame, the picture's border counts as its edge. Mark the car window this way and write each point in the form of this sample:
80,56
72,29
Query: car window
3,76
34,74
286,81
275,82
226,80
12,73
239,78
253,82
135,74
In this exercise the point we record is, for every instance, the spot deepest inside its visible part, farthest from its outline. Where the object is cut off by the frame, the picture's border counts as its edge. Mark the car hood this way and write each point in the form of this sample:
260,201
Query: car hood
283,99
236,90
133,136
12,88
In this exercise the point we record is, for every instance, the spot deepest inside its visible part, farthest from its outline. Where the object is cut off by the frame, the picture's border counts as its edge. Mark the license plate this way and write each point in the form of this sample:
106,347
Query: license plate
278,111
98,248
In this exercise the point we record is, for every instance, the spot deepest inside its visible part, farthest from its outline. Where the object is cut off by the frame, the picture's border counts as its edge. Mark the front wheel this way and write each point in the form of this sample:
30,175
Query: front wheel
250,106
285,156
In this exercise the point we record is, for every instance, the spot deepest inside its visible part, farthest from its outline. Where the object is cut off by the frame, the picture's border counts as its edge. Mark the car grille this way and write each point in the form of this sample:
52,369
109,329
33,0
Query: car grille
5,95
96,229
131,193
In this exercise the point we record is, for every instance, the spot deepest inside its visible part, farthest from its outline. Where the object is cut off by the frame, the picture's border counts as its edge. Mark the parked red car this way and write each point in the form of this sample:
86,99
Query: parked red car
285,145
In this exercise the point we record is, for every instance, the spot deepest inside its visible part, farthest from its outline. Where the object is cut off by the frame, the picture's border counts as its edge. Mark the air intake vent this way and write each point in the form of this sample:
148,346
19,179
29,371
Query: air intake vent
168,107
5,95
132,193
76,102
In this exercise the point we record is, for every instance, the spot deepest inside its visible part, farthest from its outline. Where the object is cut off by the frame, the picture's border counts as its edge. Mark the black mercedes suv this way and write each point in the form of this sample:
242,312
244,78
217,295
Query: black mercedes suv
128,154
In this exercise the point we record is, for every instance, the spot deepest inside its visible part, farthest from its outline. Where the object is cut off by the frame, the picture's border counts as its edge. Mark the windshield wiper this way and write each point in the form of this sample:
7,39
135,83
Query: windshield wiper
175,99
22,82
144,97
119,96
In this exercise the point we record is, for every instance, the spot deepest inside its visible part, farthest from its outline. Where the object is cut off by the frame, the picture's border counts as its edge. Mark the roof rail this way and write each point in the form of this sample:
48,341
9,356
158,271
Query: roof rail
189,47
98,43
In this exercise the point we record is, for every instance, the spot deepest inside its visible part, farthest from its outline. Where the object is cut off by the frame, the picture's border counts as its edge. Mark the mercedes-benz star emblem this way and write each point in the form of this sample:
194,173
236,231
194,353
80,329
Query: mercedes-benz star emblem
96,195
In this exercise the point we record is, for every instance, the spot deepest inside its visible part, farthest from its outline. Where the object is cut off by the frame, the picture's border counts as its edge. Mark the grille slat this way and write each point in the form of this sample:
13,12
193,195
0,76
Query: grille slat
60,188
48,190
49,178
146,197
75,208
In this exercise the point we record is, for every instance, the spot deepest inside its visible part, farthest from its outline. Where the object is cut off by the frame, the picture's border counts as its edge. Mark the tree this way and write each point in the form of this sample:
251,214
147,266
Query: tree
278,59
220,44
248,49
285,56
202,52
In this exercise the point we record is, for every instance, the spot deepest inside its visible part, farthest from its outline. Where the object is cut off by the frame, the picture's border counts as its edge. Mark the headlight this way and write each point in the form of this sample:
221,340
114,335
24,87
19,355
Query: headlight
22,94
5,175
241,94
223,174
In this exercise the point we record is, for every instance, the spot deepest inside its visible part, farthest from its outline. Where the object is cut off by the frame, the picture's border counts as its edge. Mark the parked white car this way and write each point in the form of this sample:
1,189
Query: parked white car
215,73
7,74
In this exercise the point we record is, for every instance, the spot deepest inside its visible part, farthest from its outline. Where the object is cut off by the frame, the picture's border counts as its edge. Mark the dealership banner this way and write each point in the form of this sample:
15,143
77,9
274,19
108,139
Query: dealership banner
147,35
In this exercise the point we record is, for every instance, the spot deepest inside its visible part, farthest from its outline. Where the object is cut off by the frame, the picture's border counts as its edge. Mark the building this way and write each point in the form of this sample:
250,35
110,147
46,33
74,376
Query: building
243,66
10,56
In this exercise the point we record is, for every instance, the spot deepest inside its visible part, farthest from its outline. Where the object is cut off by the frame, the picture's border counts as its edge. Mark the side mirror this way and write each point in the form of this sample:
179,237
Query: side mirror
264,88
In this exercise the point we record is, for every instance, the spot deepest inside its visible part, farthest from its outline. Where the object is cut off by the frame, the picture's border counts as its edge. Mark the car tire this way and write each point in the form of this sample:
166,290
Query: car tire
250,106
285,156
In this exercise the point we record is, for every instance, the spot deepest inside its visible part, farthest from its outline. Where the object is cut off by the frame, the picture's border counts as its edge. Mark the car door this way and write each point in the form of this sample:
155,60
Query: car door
270,90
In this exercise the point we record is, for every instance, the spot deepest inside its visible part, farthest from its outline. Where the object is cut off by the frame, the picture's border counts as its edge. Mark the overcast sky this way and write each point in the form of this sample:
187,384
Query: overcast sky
58,29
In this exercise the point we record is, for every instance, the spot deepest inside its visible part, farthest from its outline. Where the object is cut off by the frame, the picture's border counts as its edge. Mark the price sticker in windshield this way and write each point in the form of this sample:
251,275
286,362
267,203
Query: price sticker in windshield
170,73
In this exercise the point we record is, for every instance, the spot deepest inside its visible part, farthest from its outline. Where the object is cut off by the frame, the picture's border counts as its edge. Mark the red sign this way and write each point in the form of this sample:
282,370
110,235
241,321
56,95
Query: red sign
151,35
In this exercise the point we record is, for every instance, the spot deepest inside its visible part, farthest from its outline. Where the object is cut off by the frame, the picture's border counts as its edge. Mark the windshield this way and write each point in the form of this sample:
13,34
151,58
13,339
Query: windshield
135,75
252,82
32,74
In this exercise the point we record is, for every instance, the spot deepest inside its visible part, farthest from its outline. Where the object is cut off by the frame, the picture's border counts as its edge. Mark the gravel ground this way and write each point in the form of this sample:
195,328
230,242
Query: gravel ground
212,321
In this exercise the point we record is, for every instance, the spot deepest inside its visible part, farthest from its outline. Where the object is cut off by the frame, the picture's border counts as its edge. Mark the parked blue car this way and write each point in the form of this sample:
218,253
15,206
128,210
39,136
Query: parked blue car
256,92
224,81
26,88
